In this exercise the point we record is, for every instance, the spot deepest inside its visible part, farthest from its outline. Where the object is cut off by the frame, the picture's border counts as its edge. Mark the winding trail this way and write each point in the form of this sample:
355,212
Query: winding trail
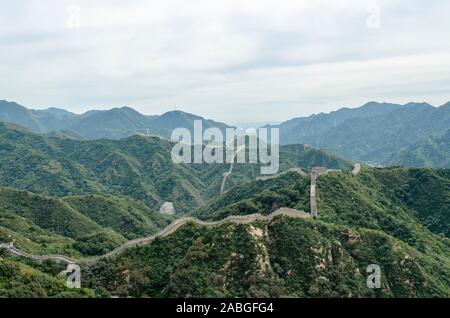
226,174
175,225
163,233
17,252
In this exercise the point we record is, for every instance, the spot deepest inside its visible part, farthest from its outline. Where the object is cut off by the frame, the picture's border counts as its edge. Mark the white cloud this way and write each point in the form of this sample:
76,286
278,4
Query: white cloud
226,59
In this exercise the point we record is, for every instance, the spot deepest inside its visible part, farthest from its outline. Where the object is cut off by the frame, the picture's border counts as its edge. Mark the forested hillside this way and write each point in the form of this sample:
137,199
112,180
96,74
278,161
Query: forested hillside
140,167
385,134
21,281
286,258
74,226
83,199
367,219
375,132
430,152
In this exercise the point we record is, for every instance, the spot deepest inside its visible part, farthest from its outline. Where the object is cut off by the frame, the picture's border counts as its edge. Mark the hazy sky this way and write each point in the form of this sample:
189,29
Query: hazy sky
234,61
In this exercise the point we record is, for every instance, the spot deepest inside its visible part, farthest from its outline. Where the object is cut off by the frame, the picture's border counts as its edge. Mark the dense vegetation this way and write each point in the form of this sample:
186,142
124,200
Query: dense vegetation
139,167
433,151
286,258
263,196
408,204
84,198
363,220
127,216
413,135
21,281
87,225
376,133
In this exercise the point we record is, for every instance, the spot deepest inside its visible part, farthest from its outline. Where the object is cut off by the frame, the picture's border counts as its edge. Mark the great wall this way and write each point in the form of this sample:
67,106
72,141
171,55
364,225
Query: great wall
171,228
237,219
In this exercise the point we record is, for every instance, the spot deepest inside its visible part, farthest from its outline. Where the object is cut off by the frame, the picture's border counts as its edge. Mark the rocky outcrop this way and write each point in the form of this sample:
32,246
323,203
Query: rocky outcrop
167,208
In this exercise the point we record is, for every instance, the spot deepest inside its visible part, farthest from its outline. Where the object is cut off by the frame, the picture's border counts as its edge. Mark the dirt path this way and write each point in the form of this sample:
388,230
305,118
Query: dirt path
225,176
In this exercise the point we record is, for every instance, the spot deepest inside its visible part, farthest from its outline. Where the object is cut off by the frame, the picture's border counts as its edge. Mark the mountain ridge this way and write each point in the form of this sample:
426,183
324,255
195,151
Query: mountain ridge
373,133
433,151
115,123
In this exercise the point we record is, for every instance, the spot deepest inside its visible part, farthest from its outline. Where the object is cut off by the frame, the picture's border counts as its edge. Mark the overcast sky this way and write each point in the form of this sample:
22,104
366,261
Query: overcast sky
234,61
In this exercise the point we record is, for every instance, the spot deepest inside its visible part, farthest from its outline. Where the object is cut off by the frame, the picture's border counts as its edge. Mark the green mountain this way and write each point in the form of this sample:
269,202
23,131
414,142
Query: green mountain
284,258
47,213
41,121
84,198
395,218
402,198
169,121
300,128
111,124
262,196
371,133
433,151
127,216
18,280
65,134
115,123
75,225
139,167
385,217
377,133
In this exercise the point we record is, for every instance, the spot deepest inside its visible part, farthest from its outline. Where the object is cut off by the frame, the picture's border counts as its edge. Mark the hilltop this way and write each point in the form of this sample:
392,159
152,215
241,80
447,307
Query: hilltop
374,132
115,123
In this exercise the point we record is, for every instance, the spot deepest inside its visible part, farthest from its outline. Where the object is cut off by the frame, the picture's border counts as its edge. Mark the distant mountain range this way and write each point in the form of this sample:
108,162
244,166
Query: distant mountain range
385,134
115,123
374,133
